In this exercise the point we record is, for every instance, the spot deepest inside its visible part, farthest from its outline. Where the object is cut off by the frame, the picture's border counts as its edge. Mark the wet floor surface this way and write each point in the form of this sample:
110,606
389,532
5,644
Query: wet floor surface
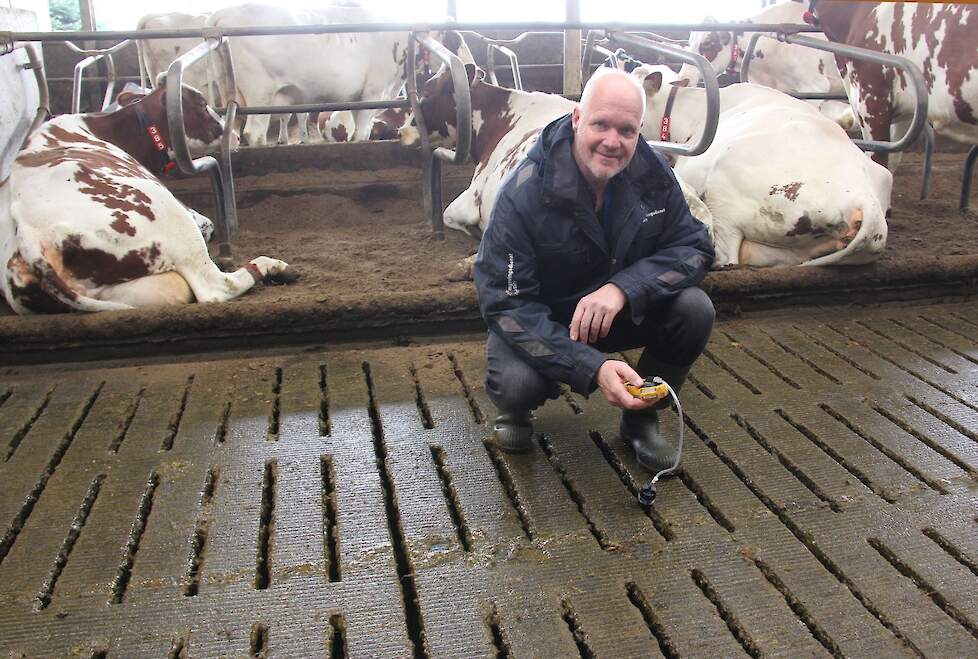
344,502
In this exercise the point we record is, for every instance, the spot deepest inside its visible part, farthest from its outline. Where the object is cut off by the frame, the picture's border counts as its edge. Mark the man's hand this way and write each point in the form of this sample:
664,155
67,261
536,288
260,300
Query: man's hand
610,377
595,313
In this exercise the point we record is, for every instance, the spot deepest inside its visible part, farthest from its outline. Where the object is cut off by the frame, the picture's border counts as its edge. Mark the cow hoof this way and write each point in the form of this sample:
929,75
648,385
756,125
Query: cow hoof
282,278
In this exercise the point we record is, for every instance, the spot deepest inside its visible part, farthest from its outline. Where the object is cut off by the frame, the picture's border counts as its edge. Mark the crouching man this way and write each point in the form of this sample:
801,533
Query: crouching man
590,249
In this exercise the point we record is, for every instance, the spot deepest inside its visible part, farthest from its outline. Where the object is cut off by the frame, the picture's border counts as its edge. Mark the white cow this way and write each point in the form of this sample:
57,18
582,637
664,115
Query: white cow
156,55
85,225
775,64
784,183
313,68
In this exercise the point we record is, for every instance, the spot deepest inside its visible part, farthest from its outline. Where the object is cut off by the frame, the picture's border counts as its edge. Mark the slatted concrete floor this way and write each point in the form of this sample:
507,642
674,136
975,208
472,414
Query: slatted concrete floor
343,502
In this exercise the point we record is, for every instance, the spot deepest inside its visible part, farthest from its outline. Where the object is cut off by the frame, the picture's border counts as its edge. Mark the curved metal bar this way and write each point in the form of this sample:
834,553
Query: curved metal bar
93,56
141,60
514,66
174,106
76,82
969,168
110,80
43,96
749,57
590,42
430,168
229,228
222,184
709,81
463,103
905,65
928,160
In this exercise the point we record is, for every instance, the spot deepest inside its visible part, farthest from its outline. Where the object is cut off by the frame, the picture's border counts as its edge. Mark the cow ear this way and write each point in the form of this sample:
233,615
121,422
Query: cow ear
128,98
472,72
725,37
452,41
652,83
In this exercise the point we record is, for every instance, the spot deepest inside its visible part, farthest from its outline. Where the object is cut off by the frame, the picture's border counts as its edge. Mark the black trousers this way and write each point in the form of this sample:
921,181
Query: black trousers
674,334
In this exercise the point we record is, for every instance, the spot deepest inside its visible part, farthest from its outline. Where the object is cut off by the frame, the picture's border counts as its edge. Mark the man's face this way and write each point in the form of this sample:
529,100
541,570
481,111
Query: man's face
606,134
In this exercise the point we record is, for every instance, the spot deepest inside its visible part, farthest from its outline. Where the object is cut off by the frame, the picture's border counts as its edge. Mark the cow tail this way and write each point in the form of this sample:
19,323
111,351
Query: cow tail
867,245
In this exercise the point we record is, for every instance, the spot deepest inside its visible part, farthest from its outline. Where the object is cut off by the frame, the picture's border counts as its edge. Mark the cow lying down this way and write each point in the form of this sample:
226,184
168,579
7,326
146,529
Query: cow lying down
505,124
85,225
785,184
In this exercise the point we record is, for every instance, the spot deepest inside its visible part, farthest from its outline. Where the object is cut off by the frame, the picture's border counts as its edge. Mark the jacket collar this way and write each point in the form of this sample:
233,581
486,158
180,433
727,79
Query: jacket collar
563,182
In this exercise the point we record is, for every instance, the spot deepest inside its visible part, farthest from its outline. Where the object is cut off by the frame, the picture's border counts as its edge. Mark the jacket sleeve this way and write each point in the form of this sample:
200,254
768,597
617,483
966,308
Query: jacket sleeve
509,298
682,257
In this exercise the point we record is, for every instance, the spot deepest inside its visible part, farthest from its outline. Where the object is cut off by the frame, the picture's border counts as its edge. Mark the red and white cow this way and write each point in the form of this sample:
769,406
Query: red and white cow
315,68
775,64
785,184
336,126
505,124
939,38
85,224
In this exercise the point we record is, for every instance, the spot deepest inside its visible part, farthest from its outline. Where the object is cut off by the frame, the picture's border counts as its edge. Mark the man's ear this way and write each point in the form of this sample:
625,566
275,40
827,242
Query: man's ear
576,117
652,83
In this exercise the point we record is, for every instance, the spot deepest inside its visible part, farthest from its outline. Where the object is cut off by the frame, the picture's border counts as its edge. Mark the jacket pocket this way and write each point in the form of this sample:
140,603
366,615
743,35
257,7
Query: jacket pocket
564,268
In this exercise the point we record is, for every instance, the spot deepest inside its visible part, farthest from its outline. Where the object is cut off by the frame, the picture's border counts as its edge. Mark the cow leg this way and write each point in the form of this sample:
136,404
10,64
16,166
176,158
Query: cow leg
209,284
726,243
303,120
283,128
362,121
463,214
760,254
167,288
256,127
897,130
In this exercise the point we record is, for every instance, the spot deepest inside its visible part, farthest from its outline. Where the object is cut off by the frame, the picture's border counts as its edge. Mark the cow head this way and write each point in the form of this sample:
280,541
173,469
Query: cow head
657,81
721,49
438,109
141,127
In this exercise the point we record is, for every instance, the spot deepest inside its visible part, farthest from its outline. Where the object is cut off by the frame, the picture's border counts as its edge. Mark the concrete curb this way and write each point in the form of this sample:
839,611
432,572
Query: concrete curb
248,323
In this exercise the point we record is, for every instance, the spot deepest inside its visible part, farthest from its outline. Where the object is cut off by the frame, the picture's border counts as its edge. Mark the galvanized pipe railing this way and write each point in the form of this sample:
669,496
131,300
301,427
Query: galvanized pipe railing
273,30
93,56
514,65
36,65
749,57
673,53
222,182
431,159
895,61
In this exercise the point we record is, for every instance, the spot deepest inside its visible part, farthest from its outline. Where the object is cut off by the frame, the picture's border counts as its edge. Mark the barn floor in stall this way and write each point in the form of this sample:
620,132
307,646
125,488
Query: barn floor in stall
342,500
349,219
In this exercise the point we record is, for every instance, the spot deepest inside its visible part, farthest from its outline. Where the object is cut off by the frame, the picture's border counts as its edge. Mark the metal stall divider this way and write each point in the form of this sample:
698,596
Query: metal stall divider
93,56
673,53
222,181
431,159
869,55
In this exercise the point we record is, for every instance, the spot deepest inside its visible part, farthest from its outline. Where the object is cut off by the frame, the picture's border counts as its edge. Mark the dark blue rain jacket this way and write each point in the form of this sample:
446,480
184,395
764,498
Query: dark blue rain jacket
544,249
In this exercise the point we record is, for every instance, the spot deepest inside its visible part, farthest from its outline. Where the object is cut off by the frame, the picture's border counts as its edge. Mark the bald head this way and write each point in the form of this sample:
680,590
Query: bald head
608,83
606,126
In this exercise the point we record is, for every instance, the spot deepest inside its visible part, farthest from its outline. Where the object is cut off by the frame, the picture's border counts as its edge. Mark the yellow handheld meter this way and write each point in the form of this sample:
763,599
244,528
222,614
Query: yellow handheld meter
648,390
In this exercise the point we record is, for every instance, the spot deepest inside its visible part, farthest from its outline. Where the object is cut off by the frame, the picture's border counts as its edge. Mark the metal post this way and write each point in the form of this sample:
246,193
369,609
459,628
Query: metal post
928,158
969,168
451,8
572,50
